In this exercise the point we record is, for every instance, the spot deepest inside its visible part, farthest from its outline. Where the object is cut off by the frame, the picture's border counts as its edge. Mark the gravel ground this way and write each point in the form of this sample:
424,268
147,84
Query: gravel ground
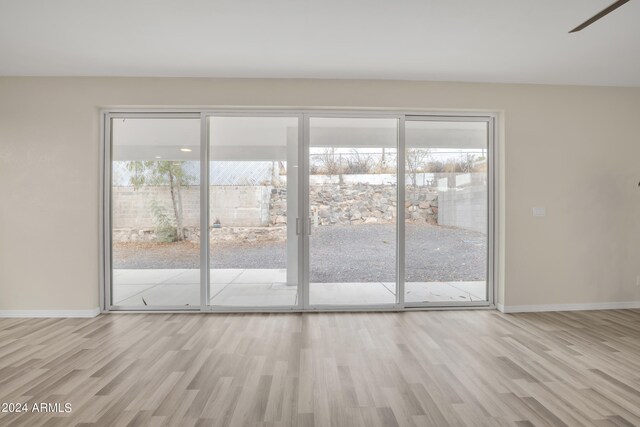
338,254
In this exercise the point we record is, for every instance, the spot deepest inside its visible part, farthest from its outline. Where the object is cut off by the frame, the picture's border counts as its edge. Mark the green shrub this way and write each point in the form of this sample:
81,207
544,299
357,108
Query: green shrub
166,230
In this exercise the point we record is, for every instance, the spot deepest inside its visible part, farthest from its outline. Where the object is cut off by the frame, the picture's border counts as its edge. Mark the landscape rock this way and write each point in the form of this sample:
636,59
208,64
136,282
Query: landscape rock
332,204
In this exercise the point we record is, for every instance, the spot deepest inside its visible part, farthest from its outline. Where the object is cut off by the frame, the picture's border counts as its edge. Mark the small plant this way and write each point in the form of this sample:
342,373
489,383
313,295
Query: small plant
359,163
216,223
415,162
166,230
328,162
161,173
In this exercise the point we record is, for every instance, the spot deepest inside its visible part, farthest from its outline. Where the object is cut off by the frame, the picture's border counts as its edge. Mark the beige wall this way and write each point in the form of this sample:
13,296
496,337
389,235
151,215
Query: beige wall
574,150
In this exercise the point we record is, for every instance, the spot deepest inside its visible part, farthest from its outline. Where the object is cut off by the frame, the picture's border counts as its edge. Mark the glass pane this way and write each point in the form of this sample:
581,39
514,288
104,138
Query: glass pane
253,206
446,211
155,212
353,201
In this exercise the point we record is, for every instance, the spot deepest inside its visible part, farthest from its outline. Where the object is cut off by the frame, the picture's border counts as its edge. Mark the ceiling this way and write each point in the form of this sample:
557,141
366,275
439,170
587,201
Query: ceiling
515,41
270,138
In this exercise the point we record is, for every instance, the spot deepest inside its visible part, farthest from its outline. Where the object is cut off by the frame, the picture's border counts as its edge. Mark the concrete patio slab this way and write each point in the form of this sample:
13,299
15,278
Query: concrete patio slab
443,291
256,295
477,290
267,287
151,276
166,295
123,292
350,294
224,275
261,275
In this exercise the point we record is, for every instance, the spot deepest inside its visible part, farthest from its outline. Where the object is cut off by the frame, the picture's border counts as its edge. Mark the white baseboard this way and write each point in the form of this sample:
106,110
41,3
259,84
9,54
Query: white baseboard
50,313
568,307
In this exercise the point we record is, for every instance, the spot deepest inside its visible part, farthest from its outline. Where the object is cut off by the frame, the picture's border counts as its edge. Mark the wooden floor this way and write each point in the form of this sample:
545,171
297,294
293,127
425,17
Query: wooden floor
369,369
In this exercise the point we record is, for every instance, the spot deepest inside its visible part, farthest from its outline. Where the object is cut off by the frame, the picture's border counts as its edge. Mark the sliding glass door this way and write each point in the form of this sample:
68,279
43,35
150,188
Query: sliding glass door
294,210
155,211
446,211
352,194
253,207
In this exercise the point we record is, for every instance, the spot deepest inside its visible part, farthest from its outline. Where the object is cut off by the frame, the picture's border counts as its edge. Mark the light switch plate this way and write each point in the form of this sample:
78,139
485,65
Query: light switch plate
539,212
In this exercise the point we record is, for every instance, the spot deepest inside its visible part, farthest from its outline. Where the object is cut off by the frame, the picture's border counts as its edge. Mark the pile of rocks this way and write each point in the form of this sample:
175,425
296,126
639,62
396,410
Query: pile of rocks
421,205
331,204
278,206
353,204
248,234
222,234
191,234
359,204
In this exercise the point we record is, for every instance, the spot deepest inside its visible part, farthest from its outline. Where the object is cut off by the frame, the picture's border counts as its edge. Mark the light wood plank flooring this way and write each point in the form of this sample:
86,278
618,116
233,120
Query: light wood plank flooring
476,368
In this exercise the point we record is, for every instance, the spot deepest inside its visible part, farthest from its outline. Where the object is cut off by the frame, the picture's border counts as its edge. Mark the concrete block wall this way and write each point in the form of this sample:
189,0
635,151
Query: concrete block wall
237,206
240,206
463,207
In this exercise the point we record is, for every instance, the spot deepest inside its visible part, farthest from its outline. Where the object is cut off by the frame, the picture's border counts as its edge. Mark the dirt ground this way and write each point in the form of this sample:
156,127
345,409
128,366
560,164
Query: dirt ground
337,253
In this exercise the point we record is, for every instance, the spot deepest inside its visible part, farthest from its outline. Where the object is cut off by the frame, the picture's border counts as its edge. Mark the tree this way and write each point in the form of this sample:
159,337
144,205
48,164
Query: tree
416,159
359,162
327,160
164,172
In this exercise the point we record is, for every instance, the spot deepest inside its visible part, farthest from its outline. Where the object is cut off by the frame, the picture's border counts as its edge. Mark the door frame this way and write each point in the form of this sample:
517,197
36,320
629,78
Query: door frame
205,256
106,203
306,214
303,115
491,200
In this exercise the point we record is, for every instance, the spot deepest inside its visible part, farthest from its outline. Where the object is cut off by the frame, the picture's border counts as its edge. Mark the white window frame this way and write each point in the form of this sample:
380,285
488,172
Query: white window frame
303,116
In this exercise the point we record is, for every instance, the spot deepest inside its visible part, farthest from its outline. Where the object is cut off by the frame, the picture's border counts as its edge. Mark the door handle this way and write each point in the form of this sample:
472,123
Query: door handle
299,226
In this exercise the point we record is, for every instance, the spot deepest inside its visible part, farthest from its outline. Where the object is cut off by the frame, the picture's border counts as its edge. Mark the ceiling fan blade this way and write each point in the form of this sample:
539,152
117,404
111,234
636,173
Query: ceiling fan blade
599,15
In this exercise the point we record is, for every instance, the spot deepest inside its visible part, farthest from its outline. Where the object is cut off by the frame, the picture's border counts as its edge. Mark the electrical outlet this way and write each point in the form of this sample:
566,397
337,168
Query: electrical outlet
540,211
